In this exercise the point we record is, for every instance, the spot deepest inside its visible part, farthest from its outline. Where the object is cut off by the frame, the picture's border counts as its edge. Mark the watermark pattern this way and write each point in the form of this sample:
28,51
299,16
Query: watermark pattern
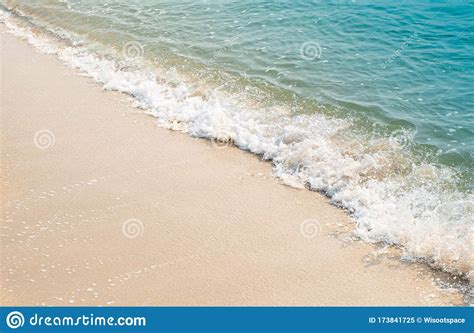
371,259
228,43
132,228
454,211
133,50
310,228
310,51
378,257
15,320
223,139
44,139
402,138
398,52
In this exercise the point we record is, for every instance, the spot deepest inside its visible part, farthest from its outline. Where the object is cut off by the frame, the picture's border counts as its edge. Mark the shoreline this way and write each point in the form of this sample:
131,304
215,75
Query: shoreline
320,165
85,173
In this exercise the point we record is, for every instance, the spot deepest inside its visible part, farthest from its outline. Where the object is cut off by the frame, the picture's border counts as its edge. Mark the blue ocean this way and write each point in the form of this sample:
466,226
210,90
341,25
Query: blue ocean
370,103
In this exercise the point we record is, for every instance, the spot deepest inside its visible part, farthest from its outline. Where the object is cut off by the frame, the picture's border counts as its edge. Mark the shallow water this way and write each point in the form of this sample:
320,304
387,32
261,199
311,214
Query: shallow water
370,104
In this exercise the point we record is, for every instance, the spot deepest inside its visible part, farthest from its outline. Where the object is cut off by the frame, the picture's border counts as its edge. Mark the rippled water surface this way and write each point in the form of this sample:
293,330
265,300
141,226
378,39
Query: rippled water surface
409,65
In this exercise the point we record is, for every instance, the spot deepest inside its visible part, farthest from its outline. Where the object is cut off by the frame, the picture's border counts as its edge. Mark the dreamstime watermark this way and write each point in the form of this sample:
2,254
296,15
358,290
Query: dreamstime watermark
454,210
15,320
133,50
44,139
228,43
371,259
310,51
399,51
384,258
310,228
132,228
402,138
223,139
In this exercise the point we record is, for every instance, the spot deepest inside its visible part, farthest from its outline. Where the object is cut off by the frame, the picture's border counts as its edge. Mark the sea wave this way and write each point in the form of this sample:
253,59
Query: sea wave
392,198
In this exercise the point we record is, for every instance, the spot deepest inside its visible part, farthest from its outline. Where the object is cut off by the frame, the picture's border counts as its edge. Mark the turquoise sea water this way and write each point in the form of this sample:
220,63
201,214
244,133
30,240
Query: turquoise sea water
372,104
408,65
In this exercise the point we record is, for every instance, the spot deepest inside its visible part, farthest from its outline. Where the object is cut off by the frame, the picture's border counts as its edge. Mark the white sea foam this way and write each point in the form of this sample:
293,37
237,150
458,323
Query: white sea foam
416,209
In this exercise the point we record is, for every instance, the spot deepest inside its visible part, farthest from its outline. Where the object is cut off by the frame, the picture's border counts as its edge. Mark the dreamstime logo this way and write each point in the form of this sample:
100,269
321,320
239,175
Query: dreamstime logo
133,50
310,51
402,138
398,52
454,210
15,319
132,228
44,139
371,259
227,44
310,228
223,139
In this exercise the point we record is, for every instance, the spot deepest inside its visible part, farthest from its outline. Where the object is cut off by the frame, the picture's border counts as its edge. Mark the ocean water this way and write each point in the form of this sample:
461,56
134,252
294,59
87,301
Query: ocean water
370,104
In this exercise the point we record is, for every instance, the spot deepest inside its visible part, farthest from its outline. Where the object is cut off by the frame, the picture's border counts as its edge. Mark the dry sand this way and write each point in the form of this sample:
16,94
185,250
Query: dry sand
214,227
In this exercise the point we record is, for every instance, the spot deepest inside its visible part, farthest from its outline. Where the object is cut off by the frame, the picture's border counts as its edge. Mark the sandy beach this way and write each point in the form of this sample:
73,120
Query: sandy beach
101,206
